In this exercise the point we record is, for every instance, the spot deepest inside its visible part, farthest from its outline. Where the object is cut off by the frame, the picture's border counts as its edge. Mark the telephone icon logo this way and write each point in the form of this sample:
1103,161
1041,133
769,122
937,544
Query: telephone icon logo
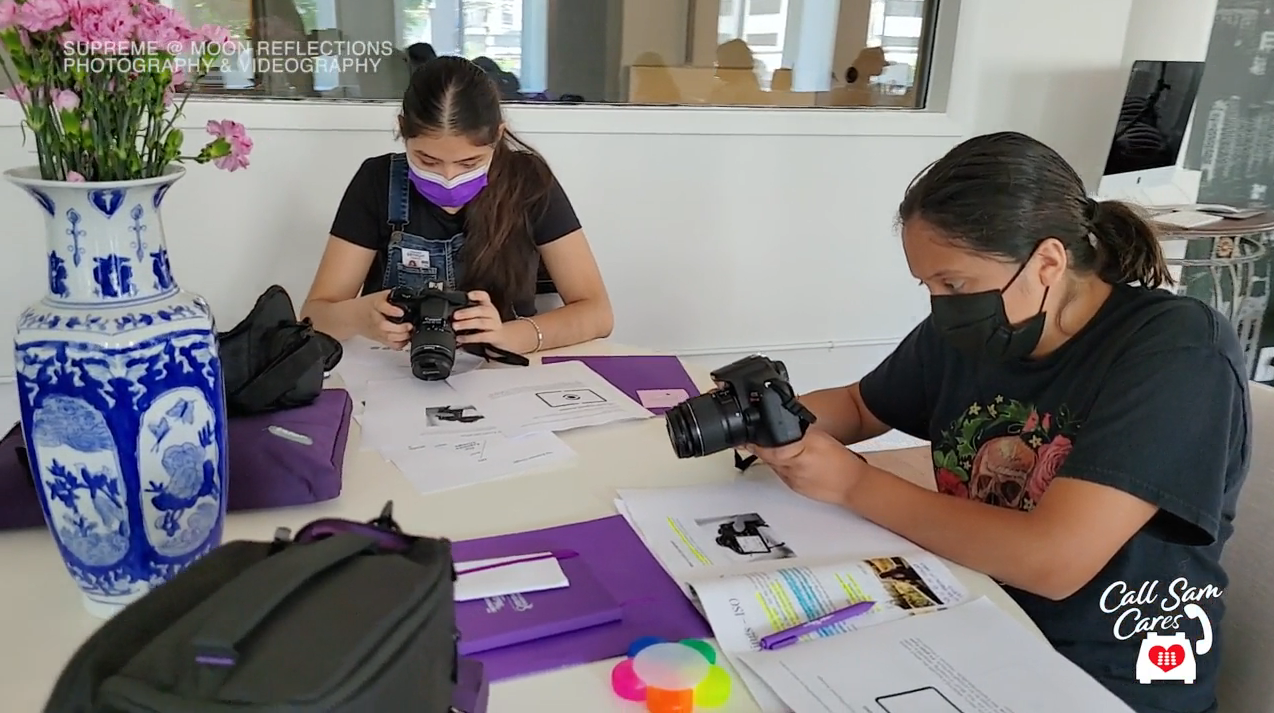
1172,657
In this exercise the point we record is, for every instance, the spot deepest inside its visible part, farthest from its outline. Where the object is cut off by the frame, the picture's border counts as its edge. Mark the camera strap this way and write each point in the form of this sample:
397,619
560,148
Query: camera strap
490,352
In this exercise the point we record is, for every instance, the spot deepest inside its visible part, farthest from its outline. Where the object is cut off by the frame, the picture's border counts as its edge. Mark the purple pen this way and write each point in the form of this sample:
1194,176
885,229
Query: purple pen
787,637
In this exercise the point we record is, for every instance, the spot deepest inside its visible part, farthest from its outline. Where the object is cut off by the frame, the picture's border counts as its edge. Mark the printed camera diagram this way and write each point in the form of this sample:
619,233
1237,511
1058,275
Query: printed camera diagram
920,700
566,398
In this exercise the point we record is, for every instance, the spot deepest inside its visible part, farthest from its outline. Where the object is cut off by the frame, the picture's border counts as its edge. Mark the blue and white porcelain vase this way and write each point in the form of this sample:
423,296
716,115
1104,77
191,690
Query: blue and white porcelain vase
121,393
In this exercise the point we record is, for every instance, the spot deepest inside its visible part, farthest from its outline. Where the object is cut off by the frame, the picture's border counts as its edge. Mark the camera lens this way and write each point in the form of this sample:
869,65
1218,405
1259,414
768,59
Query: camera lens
706,424
433,353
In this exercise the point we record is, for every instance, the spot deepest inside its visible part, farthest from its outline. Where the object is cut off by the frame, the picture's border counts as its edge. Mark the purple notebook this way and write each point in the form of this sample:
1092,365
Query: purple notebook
656,382
652,603
494,623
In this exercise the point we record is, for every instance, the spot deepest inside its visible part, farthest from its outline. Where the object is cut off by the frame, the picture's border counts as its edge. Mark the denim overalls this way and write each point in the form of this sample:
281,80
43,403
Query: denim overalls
413,261
417,262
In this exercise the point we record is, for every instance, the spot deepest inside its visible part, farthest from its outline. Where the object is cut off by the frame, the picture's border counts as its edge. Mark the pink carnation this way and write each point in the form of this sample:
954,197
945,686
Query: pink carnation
8,14
73,177
236,137
19,93
42,15
100,27
65,100
163,28
217,37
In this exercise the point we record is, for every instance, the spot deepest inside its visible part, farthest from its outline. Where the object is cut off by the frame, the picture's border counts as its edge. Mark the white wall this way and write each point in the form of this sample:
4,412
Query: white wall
720,232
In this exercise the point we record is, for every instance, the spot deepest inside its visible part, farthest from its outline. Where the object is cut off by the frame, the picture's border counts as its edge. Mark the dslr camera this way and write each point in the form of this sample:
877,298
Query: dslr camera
754,404
433,340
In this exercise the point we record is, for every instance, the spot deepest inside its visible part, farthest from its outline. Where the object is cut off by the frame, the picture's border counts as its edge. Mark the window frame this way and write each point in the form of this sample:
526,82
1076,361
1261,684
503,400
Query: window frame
949,88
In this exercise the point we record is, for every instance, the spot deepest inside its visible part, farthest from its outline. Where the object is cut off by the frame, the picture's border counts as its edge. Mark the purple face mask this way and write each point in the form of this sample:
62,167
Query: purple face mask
454,193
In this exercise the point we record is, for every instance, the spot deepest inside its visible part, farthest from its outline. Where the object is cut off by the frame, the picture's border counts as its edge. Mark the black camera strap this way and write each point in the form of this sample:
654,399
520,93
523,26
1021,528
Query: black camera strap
490,352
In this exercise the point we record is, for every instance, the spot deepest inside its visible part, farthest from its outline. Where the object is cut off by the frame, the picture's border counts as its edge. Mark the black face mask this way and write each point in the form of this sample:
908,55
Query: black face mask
977,325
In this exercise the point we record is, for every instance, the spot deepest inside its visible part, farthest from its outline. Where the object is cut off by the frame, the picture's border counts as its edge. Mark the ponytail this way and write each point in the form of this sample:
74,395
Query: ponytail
1127,246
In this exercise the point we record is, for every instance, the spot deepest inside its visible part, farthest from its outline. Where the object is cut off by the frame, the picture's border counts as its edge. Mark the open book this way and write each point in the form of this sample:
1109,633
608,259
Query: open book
744,608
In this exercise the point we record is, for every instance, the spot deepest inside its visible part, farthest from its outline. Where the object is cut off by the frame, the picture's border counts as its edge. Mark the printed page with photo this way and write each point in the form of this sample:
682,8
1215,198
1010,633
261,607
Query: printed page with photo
743,609
752,524
551,397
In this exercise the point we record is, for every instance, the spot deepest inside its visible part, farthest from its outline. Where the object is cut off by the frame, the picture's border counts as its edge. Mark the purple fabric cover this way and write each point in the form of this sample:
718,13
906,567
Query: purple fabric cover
472,687
266,470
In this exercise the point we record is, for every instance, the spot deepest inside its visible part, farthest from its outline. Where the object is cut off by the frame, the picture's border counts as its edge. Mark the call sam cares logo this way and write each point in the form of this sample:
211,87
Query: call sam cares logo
1158,613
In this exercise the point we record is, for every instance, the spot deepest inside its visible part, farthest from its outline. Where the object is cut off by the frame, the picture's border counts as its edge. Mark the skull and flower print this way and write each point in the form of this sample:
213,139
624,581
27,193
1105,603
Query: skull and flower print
1003,452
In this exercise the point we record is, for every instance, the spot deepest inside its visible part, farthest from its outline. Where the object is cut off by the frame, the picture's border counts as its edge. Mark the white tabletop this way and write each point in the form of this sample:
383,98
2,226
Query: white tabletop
43,621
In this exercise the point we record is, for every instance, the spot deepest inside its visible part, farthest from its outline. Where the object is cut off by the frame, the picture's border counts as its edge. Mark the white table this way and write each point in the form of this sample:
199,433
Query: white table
42,620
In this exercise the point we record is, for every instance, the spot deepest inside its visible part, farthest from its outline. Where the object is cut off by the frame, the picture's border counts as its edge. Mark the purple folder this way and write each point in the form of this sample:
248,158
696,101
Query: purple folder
472,689
292,457
633,374
496,622
652,603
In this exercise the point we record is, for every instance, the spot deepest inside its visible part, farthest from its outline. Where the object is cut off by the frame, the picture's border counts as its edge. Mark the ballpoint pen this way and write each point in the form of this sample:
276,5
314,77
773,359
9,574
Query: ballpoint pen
787,637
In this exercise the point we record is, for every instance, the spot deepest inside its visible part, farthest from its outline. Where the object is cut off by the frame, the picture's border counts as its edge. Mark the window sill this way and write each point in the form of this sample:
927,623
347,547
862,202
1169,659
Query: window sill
618,119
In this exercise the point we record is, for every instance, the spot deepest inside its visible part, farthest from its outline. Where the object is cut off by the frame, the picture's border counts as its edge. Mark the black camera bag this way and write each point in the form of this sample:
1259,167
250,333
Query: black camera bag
271,361
349,617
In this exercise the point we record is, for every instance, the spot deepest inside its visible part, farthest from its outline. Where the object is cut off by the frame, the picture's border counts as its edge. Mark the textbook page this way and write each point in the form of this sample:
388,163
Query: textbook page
746,608
972,658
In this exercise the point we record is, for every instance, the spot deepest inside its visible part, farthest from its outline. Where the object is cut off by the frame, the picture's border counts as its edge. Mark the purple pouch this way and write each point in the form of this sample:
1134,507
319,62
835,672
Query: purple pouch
292,457
280,459
472,689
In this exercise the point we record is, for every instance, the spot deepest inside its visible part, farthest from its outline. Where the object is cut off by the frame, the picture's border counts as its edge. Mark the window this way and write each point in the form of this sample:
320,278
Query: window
764,52
769,39
765,7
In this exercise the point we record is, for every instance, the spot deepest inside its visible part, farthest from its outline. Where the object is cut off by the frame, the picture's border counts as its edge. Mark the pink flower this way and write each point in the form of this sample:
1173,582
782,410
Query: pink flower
42,15
232,145
19,93
65,100
8,14
1044,423
73,177
217,38
163,29
1048,460
950,483
1032,422
100,27
179,78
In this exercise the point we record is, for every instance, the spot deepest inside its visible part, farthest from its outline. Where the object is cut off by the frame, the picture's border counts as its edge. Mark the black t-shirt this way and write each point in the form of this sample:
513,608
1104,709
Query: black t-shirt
1150,397
363,217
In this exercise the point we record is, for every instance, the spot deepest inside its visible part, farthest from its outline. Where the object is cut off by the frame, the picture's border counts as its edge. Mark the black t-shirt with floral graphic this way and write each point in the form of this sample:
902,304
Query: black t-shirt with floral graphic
1150,397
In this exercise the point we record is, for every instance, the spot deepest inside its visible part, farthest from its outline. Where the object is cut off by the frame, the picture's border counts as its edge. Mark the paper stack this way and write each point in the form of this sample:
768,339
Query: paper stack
479,425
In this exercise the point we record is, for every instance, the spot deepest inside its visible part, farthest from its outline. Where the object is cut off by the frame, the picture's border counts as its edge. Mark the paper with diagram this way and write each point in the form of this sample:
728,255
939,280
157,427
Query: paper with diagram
440,441
748,525
552,397
459,461
972,658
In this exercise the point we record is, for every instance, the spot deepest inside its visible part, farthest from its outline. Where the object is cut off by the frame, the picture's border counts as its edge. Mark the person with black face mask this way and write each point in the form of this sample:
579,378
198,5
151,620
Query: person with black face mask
1090,433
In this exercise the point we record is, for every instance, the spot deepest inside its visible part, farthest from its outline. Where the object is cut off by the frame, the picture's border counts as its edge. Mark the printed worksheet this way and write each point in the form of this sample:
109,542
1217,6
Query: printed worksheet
404,414
745,608
972,658
755,526
479,458
550,397
754,523
364,362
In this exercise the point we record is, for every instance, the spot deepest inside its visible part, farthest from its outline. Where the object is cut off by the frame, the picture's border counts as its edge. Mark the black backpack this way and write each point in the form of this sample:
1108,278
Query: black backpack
271,361
349,617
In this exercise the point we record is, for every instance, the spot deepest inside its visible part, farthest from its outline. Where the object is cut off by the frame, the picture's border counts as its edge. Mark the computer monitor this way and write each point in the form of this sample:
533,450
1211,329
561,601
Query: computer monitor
1151,129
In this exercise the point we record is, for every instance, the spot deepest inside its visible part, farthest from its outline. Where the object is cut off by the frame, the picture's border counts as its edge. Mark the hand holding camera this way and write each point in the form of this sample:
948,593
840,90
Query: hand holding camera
383,321
429,313
480,323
